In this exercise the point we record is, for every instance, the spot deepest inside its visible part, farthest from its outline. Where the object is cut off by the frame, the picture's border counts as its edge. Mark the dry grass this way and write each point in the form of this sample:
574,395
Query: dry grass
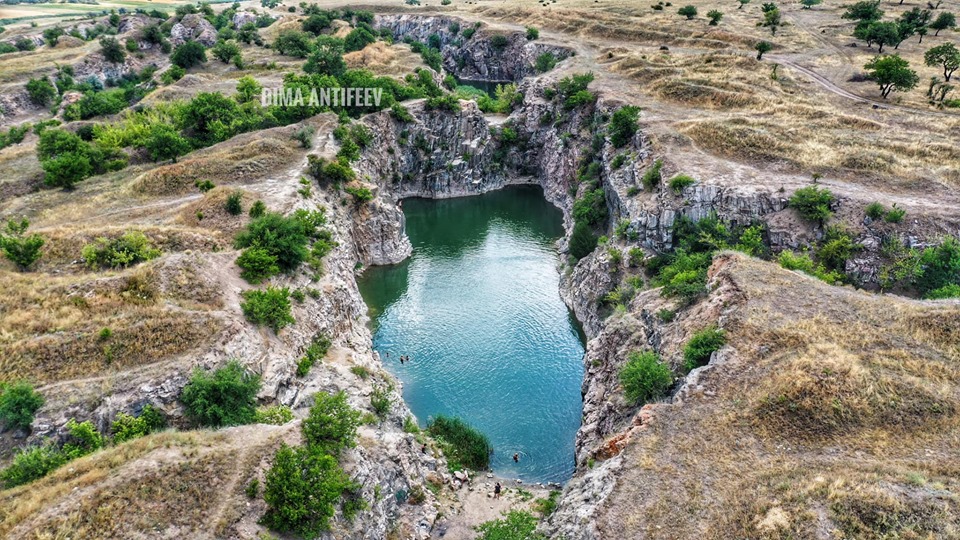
836,415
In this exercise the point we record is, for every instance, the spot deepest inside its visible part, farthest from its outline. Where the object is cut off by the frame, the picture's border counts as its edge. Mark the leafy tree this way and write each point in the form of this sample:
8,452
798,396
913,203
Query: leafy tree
688,11
623,125
591,208
742,3
21,249
771,17
939,266
131,248
332,424
358,38
317,23
282,237
270,307
164,142
41,91
18,403
225,51
582,240
209,116
714,16
892,73
946,56
302,489
52,35
66,170
25,44
812,203
248,89
881,33
807,4
943,21
112,50
327,58
865,10
294,43
644,377
762,47
912,21
189,54
225,397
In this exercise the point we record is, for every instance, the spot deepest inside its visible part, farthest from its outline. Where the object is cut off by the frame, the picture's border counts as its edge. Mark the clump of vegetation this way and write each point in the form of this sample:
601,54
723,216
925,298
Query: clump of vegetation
19,402
127,427
545,62
272,243
680,182
268,307
21,249
803,263
688,11
516,525
314,353
645,378
813,203
126,250
275,414
623,125
651,178
225,397
31,464
234,204
332,424
704,343
464,445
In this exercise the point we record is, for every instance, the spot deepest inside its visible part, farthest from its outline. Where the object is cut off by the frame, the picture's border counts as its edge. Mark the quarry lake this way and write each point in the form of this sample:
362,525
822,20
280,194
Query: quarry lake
477,309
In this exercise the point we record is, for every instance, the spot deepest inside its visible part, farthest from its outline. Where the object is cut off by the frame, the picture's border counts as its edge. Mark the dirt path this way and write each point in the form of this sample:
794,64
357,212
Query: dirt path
475,505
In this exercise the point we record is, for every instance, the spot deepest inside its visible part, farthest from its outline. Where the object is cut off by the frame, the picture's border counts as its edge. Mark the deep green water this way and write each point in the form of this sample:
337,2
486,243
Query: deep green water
478,310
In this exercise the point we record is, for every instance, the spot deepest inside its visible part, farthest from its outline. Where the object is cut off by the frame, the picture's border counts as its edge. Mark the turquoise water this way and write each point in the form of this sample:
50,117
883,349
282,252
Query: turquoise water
477,309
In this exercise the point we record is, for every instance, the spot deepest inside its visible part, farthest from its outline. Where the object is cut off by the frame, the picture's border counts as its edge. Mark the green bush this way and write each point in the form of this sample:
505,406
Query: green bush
225,51
688,11
499,42
361,194
836,248
234,204
127,427
532,33
947,291
19,248
284,238
939,266
582,240
276,415
268,307
302,489
332,424
82,439
131,248
357,39
380,401
803,263
445,102
41,91
315,352
465,446
645,378
516,525
257,264
164,142
112,50
591,208
875,210
680,182
257,209
697,351
189,54
623,125
812,203
685,275
18,404
31,464
651,177
225,397
894,215
545,62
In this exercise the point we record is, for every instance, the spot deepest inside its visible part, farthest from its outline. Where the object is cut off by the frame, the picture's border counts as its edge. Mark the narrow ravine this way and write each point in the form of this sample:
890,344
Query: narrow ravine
477,309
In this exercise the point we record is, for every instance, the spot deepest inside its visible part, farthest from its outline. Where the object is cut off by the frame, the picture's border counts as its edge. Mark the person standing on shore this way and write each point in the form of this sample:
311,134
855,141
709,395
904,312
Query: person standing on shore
496,491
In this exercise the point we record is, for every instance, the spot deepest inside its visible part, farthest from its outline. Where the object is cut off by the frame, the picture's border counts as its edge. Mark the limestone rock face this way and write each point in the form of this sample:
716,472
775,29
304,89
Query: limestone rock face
193,27
243,17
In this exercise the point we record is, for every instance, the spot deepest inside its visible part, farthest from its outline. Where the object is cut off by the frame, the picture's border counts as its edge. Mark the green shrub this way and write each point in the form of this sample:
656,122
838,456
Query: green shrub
836,248
591,208
21,249
446,102
82,439
282,237
41,91
357,39
894,215
361,194
189,54
331,426
314,353
31,464
812,203
803,263
688,11
680,182
618,161
499,42
464,445
380,401
225,51
225,397
302,489
697,351
127,427
18,404
164,142
545,62
582,240
751,241
131,248
623,125
532,33
939,266
276,415
685,275
257,264
645,378
410,425
875,210
947,291
252,489
516,525
257,209
651,177
234,203
268,307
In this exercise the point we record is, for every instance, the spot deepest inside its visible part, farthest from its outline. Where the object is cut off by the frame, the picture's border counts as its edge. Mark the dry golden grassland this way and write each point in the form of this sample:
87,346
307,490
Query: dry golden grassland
835,413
